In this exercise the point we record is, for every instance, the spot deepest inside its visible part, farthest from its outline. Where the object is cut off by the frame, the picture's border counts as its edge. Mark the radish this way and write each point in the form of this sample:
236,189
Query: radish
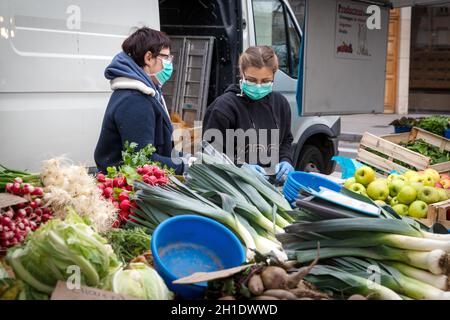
101,177
33,204
6,220
115,224
101,186
38,191
1,228
141,171
108,192
21,205
26,189
46,217
21,226
39,202
18,180
123,196
9,214
6,243
125,205
129,188
15,188
28,210
39,212
109,183
46,210
116,204
8,187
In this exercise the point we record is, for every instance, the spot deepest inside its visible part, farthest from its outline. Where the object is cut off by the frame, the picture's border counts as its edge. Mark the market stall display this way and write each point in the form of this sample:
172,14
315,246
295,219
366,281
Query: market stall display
409,194
405,151
317,245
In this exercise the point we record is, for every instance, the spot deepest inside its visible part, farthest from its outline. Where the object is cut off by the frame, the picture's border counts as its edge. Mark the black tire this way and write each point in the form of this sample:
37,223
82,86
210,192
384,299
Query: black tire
311,160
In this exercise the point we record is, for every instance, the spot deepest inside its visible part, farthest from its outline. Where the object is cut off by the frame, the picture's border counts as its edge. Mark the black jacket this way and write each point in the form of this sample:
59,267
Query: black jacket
134,117
234,111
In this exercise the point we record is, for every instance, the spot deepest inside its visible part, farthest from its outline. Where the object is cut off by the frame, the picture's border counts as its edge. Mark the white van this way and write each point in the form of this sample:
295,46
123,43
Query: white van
53,54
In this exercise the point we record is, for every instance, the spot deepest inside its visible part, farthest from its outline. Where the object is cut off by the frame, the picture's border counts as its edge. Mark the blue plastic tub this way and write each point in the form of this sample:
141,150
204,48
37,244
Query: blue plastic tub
187,244
402,129
447,133
300,180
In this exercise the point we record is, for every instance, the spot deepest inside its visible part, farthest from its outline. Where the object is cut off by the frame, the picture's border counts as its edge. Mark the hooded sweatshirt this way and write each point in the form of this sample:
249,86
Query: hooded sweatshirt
136,112
233,110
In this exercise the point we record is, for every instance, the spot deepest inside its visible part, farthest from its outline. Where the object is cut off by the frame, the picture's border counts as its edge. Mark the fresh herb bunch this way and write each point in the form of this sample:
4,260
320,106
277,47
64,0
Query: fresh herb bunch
428,150
434,124
128,243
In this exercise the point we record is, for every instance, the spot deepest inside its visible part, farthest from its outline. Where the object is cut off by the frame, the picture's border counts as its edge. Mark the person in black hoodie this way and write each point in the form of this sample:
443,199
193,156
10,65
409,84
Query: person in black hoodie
136,111
252,105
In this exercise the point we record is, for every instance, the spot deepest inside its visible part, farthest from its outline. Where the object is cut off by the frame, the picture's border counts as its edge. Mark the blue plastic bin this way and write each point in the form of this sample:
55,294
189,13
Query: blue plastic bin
186,244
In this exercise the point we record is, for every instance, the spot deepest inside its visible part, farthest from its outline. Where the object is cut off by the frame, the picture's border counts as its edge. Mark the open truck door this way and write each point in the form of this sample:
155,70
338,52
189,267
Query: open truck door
343,67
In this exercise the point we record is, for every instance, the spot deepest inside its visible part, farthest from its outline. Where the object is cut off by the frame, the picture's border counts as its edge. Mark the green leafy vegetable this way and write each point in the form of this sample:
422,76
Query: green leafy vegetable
53,251
434,124
141,281
428,150
128,243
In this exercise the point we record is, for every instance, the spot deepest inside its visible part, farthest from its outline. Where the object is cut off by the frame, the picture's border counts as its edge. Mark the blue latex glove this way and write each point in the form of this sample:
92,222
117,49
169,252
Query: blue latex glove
282,169
258,169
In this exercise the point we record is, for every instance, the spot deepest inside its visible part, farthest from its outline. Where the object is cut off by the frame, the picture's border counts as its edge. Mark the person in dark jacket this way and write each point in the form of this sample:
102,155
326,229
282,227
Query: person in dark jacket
136,111
252,105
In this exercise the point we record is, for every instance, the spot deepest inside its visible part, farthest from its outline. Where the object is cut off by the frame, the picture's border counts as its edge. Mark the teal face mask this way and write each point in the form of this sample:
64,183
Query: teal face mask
256,91
165,73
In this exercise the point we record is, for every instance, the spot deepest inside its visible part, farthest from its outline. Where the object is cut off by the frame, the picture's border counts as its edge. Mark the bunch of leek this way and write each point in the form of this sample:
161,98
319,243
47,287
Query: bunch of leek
405,252
158,203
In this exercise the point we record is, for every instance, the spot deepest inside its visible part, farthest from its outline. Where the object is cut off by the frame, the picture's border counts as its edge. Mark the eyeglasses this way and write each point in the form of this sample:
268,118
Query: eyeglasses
265,83
166,57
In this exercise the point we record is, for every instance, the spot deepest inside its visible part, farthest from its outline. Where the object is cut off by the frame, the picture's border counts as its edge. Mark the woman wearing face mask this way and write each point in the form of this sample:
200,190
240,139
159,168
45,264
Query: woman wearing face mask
253,105
136,111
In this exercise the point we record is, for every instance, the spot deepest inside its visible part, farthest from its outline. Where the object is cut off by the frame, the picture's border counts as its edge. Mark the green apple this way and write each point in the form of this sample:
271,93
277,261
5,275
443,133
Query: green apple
378,190
401,209
358,188
416,185
409,174
417,178
364,175
349,182
418,209
407,195
428,180
442,194
428,195
395,186
380,202
393,176
394,201
433,173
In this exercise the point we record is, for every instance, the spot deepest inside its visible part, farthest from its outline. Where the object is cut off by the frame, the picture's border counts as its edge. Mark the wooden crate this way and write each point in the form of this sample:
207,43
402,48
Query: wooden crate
439,210
389,149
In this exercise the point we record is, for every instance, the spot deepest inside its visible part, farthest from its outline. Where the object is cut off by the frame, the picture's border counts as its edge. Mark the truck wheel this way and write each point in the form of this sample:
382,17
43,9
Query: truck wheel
311,160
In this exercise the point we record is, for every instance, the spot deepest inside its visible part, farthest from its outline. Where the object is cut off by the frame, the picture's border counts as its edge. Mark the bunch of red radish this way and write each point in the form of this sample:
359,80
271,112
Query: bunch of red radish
17,221
120,193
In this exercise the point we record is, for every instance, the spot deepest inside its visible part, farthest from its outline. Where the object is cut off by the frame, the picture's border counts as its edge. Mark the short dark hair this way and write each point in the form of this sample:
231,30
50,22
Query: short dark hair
143,40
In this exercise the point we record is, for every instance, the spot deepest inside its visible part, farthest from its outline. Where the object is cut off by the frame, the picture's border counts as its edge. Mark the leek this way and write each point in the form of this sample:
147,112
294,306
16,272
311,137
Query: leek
435,261
332,278
375,239
437,281
393,279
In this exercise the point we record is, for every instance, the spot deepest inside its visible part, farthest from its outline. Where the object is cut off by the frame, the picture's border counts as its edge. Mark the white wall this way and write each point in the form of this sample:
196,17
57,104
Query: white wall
53,93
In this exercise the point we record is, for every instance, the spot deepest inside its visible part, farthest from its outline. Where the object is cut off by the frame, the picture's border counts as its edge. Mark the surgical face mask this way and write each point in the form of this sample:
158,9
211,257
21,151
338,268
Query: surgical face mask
165,73
256,91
